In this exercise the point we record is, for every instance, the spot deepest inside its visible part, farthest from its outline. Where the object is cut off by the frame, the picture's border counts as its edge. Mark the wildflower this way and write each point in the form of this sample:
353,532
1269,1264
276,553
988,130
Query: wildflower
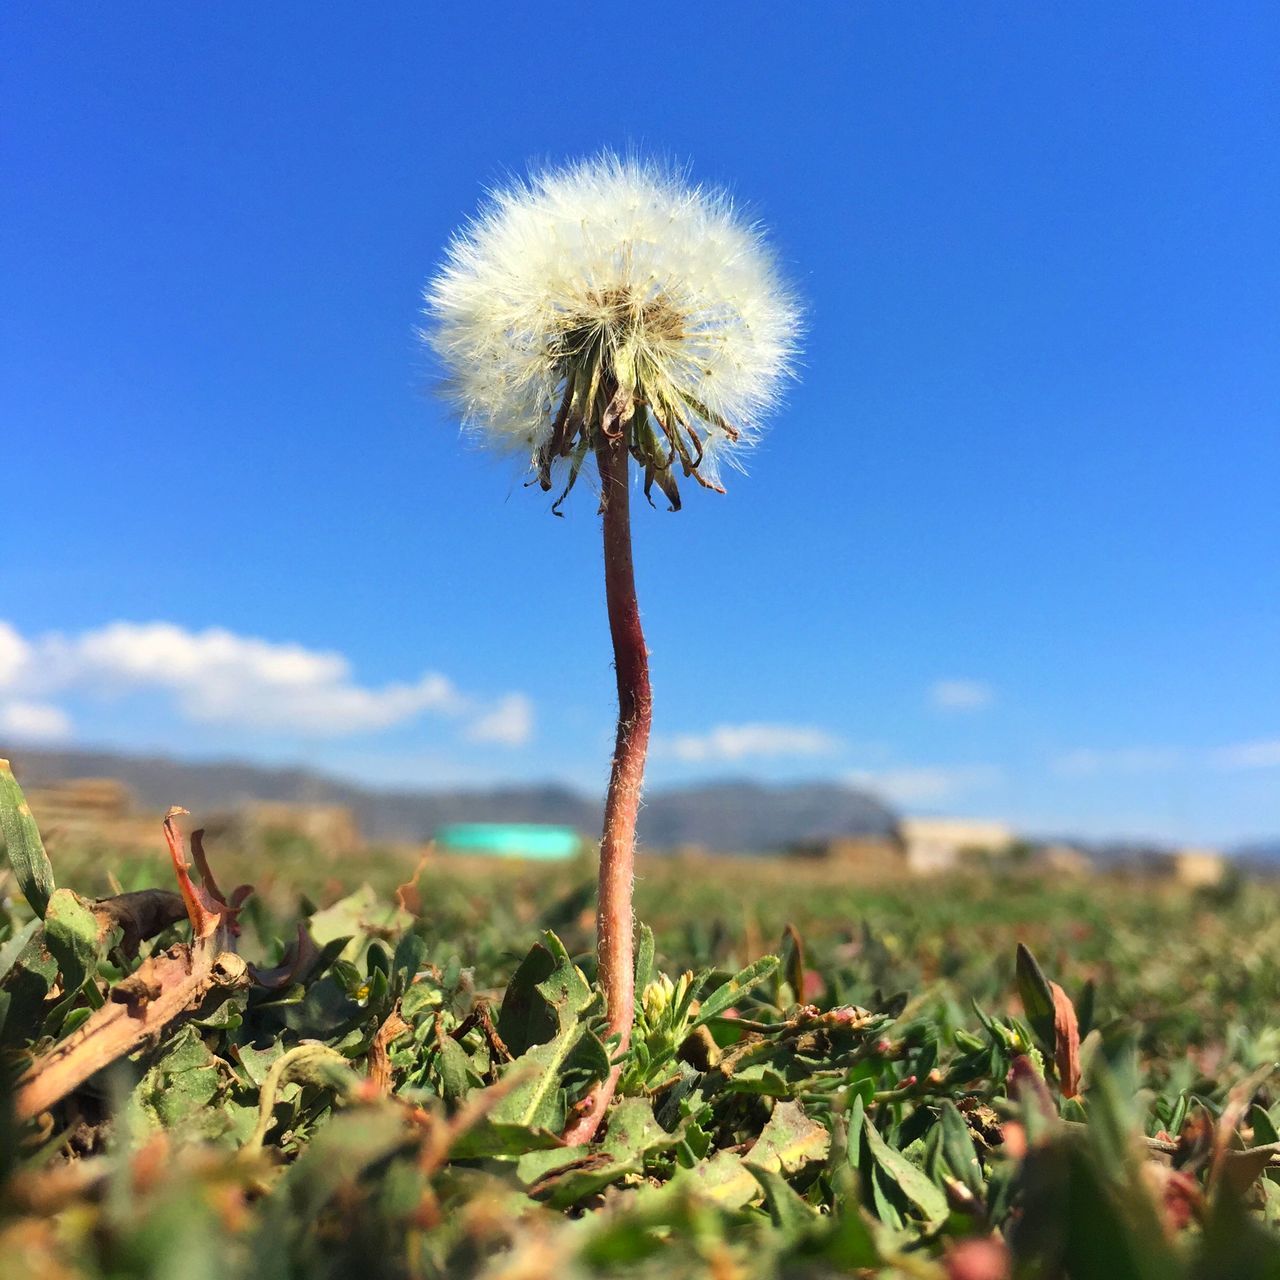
609,309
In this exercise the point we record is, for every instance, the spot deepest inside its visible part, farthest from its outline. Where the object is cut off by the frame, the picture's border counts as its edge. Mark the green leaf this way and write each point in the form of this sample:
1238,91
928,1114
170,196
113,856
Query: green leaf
644,959
20,839
787,1143
257,1062
539,1101
1100,1239
958,1149
1037,998
15,946
723,1179
886,1210
410,953
566,990
564,1177
179,1088
851,1243
913,1183
30,977
453,1066
500,1139
725,995
358,917
333,1160
315,1064
533,1166
1264,1129
524,1018
792,962
546,1074
853,1137
790,1214
71,930
790,1140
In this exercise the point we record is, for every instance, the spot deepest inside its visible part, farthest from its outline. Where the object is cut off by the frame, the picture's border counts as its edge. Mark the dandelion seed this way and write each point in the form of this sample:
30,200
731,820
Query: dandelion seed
608,296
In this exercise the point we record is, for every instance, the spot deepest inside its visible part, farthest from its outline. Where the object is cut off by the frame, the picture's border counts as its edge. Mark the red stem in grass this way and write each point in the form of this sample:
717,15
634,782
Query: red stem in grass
615,925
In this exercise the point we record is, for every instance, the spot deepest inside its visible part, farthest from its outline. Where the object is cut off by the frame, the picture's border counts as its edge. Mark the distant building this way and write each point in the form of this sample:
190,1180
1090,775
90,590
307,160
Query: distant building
1198,867
934,845
80,811
1063,859
332,828
919,846
534,841
80,802
875,855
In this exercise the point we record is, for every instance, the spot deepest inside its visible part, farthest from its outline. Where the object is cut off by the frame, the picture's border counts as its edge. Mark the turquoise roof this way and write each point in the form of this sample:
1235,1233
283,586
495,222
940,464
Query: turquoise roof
509,840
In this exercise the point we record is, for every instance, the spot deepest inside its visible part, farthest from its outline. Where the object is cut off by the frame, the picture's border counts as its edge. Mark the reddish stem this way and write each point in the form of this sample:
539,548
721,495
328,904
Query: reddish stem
614,922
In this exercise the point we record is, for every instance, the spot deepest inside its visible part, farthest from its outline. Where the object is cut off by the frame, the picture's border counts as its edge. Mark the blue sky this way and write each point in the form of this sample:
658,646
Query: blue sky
1011,547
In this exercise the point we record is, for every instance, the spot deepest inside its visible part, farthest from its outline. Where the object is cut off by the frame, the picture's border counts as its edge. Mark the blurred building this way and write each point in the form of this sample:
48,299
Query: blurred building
80,802
98,811
1199,867
874,855
933,845
919,846
1063,859
332,828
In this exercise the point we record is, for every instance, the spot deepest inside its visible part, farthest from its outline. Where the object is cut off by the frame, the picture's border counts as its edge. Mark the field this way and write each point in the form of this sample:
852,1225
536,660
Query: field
966,1078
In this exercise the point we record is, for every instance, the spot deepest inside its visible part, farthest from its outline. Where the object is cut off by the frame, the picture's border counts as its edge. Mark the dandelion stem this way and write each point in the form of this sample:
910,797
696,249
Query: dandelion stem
614,921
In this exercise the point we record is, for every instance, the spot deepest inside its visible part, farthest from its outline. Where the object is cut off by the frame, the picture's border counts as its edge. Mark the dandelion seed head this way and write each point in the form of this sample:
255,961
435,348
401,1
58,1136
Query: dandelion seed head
612,295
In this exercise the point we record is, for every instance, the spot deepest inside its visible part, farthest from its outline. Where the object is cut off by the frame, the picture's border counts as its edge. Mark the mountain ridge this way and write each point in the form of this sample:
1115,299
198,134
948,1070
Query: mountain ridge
743,816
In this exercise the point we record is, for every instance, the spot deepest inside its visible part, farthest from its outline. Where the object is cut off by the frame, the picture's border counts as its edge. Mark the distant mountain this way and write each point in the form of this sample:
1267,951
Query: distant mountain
1256,855
1262,854
752,816
743,817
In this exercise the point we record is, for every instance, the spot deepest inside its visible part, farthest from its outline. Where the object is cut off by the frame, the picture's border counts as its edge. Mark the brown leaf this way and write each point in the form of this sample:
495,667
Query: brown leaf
299,957
1066,1042
140,915
207,913
379,1052
408,895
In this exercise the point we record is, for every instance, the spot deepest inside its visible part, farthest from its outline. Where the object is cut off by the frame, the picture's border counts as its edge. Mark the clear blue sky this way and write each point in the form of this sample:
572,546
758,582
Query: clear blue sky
1011,548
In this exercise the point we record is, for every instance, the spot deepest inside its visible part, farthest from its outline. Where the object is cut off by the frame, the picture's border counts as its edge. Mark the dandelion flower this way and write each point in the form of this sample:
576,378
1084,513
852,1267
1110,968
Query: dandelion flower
607,308
609,296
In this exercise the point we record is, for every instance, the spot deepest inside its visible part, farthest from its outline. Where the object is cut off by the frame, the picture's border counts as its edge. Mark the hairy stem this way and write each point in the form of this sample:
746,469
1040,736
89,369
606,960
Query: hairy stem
614,922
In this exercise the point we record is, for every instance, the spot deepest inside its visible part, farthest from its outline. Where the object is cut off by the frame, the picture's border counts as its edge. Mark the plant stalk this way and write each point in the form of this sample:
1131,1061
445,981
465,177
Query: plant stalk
615,925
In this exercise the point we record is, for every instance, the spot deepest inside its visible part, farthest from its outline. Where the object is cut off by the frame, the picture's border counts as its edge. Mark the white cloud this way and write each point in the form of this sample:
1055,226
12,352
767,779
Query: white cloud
927,784
218,677
1085,762
14,654
730,742
509,723
1262,754
34,721
961,695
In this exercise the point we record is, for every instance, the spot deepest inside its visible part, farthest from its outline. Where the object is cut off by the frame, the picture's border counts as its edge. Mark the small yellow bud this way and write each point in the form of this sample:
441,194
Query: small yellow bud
656,999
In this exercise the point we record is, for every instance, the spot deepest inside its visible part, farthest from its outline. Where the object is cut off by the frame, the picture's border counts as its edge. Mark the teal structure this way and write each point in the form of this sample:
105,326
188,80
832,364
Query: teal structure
534,841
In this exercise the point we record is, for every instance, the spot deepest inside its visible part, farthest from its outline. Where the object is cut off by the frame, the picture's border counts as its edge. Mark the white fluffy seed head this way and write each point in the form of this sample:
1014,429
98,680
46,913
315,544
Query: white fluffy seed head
609,294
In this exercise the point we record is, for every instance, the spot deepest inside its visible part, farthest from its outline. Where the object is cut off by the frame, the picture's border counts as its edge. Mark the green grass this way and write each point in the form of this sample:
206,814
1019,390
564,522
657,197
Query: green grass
887,1095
